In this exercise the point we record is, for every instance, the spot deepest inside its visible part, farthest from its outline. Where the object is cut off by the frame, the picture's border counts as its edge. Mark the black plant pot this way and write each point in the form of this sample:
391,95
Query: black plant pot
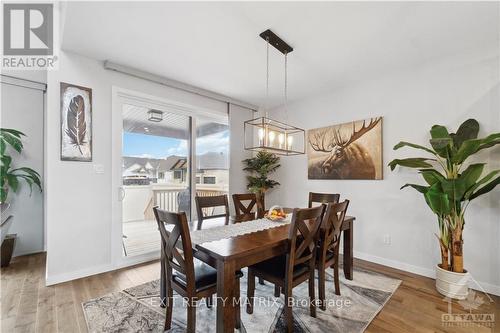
7,249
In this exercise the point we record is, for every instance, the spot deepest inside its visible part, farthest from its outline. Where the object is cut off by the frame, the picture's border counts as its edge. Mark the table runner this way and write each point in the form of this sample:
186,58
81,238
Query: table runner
233,230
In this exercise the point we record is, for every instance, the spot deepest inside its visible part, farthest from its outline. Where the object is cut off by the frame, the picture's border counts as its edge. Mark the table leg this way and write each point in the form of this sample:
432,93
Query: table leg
225,296
348,252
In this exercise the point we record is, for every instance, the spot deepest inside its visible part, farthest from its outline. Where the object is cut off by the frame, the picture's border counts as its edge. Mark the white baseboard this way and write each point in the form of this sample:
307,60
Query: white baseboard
430,273
60,278
64,277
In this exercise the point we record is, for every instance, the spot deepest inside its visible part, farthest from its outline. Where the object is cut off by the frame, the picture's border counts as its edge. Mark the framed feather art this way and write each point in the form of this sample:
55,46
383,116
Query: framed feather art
76,123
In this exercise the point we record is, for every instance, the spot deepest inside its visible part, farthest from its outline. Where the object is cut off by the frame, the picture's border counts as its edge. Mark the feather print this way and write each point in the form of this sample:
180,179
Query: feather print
77,126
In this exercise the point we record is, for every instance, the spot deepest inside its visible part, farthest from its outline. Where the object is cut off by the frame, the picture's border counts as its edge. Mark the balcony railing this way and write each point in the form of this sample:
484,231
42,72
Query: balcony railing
178,199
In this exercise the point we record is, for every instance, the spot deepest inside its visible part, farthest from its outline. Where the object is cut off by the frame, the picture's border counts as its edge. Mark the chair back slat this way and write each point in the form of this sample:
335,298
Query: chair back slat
240,206
303,235
332,224
176,243
323,198
211,202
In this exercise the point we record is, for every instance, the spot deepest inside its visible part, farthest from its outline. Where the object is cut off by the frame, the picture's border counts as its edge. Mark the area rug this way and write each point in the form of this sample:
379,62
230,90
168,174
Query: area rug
137,309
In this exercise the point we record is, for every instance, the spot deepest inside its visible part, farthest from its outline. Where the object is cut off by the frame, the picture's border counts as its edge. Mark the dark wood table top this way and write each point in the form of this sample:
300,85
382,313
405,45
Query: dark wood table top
250,244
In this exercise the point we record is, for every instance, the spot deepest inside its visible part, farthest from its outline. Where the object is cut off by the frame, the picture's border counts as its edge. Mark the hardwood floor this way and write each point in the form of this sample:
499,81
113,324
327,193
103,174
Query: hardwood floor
28,306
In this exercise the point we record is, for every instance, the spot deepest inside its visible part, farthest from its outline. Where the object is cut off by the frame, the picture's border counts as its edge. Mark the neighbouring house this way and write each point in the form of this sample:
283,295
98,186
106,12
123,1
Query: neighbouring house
211,169
144,170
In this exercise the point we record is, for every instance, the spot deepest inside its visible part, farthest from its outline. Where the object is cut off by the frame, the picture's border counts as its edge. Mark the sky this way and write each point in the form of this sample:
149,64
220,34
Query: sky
150,146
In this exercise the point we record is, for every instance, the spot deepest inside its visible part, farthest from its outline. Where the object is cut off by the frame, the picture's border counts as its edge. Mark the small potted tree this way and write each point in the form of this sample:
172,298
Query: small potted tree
10,179
259,167
450,186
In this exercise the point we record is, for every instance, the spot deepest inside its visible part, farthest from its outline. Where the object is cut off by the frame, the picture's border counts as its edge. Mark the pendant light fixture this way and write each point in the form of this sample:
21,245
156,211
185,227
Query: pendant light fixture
264,133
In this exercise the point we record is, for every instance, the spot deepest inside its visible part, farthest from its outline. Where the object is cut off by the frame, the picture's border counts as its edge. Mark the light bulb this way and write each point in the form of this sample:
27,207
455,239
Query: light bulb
271,137
261,133
281,139
290,141
261,136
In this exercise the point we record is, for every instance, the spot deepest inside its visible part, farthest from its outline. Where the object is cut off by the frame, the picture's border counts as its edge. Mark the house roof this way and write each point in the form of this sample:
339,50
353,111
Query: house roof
207,161
170,163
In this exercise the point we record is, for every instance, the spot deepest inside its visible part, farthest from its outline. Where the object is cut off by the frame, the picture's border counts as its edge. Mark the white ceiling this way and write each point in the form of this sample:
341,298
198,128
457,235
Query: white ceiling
215,46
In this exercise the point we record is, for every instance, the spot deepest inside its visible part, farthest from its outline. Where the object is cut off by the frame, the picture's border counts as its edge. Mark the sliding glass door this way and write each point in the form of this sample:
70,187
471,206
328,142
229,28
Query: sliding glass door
155,172
164,156
212,159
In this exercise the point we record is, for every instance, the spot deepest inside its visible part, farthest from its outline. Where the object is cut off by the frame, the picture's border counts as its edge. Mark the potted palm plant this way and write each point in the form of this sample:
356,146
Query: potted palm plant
9,176
259,167
451,185
10,179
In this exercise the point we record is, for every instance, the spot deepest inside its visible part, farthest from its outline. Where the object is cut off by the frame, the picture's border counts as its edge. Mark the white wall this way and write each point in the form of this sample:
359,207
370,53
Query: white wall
78,201
446,91
237,177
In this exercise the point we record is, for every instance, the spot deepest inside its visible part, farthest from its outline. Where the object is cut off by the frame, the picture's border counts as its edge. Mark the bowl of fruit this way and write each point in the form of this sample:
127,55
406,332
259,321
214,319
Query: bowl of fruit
276,213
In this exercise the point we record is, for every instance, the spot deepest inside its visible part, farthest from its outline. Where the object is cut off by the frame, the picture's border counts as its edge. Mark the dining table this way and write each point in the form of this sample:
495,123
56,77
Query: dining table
229,254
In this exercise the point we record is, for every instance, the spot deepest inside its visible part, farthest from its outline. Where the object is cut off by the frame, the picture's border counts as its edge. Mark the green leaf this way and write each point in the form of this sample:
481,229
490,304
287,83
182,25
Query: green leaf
441,145
490,141
437,200
468,148
468,130
3,147
482,181
431,176
454,188
438,131
414,162
472,174
13,182
6,160
486,188
409,144
420,188
14,132
27,170
12,140
29,175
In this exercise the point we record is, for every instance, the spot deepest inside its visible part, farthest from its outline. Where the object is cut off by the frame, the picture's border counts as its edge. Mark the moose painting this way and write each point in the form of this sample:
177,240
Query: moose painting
347,151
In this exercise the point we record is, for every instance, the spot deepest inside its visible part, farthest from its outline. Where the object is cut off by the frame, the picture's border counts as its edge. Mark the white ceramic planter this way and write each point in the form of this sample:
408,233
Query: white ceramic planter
452,284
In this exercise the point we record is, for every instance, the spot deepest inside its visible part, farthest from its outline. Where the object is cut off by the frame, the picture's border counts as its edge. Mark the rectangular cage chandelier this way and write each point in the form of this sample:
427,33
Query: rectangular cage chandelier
266,134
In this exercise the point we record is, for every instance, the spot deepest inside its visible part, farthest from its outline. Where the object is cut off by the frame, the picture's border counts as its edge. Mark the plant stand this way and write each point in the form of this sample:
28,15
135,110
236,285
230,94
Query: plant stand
7,249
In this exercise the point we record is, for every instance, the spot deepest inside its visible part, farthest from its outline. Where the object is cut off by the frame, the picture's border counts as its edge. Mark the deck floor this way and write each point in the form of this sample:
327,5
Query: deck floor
140,237
143,236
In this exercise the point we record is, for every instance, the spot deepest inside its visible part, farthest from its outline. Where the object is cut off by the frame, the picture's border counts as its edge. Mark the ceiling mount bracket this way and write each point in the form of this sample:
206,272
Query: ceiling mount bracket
276,42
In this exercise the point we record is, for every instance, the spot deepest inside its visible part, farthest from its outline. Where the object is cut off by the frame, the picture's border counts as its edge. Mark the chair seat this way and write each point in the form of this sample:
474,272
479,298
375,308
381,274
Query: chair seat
276,267
329,255
205,276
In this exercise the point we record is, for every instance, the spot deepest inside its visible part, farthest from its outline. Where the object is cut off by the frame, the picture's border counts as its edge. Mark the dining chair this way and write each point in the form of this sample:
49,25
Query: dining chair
328,248
191,278
244,205
297,266
211,202
322,198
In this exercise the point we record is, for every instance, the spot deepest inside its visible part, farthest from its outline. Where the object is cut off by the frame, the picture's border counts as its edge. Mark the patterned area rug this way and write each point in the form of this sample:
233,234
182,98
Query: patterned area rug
137,309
